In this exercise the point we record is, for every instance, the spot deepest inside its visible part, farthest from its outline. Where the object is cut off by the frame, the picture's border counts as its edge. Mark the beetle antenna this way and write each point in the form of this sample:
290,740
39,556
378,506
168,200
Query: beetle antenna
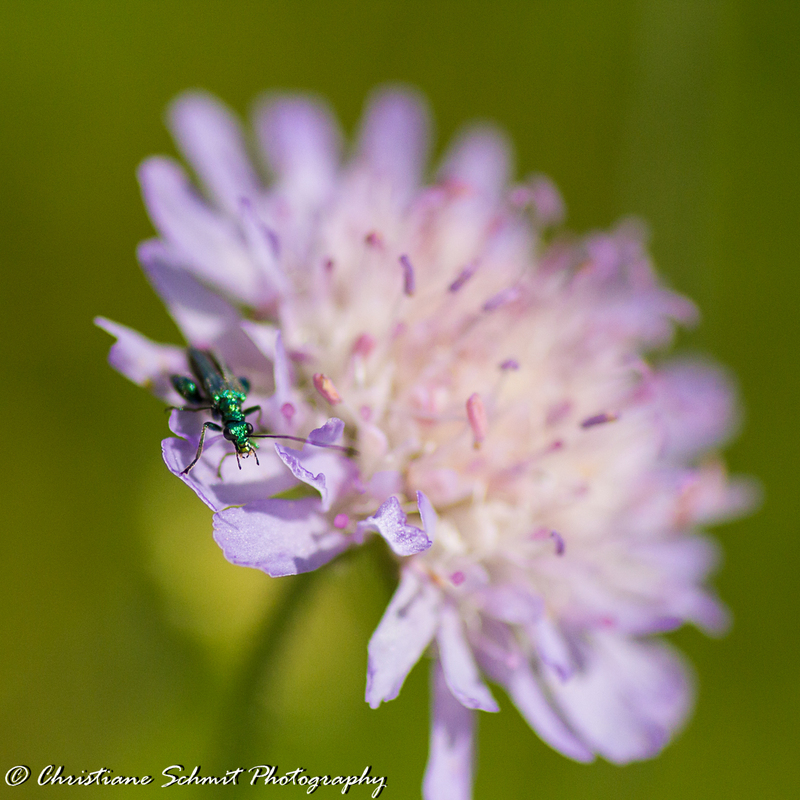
350,451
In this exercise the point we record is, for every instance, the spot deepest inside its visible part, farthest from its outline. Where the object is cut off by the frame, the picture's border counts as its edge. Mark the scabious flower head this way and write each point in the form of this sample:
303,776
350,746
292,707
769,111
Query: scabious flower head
539,481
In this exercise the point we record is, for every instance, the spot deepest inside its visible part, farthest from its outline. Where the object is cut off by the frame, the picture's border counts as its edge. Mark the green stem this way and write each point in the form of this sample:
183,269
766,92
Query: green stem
242,716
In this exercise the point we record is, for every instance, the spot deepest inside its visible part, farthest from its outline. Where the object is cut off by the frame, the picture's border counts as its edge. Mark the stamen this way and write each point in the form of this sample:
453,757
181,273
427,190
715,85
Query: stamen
510,364
288,411
463,277
478,421
324,385
548,533
274,241
457,578
553,447
502,298
558,412
374,239
599,419
559,540
398,330
341,521
408,275
364,345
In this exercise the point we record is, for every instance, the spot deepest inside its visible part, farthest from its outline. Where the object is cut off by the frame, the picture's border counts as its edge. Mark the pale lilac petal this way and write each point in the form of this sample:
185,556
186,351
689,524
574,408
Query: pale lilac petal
515,675
302,144
263,335
143,361
317,481
394,139
428,514
481,159
280,537
210,138
205,242
384,483
264,253
703,609
405,630
717,498
229,486
328,471
689,559
552,647
527,695
684,563
330,433
391,522
282,372
448,774
458,663
512,603
628,699
697,404
202,315
547,201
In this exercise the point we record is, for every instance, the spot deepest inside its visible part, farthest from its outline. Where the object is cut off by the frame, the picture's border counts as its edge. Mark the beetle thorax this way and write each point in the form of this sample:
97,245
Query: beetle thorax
229,405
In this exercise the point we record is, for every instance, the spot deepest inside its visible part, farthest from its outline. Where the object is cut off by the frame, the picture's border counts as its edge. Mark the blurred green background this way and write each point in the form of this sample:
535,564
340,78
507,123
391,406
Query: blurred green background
124,632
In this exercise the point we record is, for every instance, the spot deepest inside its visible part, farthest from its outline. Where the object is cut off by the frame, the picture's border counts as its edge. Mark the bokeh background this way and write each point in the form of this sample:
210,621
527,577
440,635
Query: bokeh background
126,640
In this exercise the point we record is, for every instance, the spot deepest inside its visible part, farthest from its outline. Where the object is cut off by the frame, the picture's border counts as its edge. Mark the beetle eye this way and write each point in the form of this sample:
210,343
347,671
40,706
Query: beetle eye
228,434
249,428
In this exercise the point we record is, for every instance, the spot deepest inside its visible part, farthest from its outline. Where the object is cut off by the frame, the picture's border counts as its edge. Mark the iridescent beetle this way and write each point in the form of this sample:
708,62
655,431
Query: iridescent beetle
214,388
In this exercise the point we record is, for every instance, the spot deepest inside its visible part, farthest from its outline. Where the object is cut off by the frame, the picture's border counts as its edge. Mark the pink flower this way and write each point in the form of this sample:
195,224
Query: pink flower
492,379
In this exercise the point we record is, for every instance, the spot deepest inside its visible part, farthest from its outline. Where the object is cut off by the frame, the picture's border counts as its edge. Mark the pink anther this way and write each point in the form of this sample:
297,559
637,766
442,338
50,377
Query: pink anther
478,421
324,385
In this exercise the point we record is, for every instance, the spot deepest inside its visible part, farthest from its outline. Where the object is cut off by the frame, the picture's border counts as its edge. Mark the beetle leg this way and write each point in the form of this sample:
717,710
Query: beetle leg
206,426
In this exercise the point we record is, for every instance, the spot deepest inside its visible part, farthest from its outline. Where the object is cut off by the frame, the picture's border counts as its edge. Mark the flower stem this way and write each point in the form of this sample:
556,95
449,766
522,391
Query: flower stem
241,719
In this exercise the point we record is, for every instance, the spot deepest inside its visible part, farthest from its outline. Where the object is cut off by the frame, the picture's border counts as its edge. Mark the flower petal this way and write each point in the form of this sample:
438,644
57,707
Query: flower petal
391,522
280,537
327,471
629,698
210,138
480,158
394,139
552,647
216,478
428,514
203,241
458,664
302,143
530,700
282,372
448,774
201,314
697,407
264,252
405,630
507,666
143,361
317,481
